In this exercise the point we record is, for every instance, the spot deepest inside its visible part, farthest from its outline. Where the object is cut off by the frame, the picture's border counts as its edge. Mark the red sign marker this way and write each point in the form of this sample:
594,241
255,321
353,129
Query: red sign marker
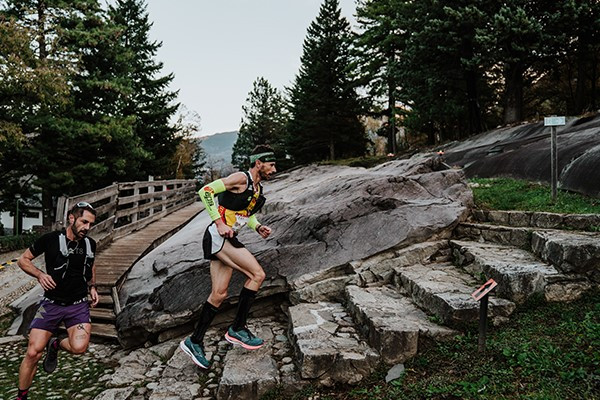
485,289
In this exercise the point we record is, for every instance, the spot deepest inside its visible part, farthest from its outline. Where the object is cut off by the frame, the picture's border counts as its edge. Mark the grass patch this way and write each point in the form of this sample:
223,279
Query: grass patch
515,194
365,162
547,351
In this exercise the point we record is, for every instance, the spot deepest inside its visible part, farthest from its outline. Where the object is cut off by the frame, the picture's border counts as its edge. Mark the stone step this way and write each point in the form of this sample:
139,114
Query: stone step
391,322
444,290
380,267
327,345
519,273
570,252
542,220
518,237
250,374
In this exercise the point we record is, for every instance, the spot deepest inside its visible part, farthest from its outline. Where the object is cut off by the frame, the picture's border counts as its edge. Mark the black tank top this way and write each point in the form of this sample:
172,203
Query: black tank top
240,201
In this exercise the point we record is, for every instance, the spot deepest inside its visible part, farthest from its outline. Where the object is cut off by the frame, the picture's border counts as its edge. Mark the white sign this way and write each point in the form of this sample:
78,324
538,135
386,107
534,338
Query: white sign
554,121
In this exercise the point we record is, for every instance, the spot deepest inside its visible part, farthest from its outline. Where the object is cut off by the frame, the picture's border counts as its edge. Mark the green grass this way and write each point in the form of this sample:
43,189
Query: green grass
365,162
514,194
547,351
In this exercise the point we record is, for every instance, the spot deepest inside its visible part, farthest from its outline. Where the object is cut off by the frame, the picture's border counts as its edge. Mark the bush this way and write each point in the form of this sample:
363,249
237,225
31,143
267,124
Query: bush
11,243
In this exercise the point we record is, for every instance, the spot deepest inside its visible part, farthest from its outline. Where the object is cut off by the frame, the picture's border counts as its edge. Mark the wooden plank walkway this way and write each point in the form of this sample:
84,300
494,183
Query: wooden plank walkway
115,260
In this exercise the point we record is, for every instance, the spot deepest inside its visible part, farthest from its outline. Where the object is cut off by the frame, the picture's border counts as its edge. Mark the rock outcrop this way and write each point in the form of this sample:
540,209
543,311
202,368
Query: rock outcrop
322,217
524,152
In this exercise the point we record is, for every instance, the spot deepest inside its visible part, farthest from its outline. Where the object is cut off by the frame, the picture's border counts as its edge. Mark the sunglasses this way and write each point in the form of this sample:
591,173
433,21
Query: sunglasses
84,204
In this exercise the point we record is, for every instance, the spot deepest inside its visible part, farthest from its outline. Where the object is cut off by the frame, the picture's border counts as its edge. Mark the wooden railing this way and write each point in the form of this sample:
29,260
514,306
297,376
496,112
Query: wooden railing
126,207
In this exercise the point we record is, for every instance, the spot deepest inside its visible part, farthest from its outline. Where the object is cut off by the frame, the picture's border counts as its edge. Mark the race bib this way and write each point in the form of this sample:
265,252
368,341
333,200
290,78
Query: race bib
240,222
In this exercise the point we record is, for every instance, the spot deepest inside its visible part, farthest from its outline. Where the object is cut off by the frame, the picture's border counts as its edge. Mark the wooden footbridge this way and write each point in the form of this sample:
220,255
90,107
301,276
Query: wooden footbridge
132,219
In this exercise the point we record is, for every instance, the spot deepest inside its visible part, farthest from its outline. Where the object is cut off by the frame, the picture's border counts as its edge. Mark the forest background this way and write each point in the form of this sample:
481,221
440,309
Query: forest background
84,102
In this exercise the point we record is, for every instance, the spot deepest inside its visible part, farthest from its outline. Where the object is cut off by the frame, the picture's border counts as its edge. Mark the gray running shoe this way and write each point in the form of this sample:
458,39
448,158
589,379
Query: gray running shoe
196,353
51,359
244,338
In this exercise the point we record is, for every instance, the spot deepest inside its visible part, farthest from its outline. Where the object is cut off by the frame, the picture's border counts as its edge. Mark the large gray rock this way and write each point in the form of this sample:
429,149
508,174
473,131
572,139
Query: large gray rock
392,323
445,291
328,348
518,273
571,252
321,216
524,152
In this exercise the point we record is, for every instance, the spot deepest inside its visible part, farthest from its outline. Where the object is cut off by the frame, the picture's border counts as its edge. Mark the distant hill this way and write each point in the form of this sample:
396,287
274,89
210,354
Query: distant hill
218,148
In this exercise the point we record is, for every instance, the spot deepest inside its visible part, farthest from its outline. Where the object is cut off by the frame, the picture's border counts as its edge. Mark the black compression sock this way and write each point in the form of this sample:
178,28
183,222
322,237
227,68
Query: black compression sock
22,395
246,299
206,316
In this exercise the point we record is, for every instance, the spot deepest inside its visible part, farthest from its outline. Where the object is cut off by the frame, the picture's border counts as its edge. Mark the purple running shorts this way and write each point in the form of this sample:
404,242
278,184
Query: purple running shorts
49,315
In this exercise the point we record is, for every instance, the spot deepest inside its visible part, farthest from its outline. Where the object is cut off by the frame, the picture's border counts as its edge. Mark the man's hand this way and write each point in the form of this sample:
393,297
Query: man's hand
94,295
264,231
223,229
46,281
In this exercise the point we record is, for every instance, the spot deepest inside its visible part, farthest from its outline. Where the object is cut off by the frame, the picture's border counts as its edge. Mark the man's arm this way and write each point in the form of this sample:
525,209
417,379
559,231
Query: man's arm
25,262
93,290
233,182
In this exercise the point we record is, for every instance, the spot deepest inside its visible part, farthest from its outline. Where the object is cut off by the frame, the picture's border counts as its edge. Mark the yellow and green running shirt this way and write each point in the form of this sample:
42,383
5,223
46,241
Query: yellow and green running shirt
236,208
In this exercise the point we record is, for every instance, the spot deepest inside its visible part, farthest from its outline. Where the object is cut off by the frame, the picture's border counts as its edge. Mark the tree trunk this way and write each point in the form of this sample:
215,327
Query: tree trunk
580,103
47,209
331,150
513,93
392,145
593,88
41,22
470,75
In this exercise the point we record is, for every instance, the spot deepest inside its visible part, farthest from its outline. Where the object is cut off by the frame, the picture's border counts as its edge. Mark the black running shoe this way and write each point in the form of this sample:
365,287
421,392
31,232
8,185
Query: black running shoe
51,359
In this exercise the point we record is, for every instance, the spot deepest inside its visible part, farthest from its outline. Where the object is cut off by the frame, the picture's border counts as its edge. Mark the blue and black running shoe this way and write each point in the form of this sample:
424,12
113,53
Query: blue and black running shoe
196,353
244,338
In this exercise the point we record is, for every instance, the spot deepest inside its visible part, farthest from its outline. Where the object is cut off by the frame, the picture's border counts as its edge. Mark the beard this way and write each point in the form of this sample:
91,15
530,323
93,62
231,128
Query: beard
264,175
78,233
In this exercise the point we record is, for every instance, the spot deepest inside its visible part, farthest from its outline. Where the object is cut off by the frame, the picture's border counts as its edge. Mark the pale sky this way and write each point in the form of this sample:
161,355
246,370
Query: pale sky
217,48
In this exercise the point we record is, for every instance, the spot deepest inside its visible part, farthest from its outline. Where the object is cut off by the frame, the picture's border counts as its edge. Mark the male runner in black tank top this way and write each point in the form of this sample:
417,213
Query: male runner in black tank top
239,200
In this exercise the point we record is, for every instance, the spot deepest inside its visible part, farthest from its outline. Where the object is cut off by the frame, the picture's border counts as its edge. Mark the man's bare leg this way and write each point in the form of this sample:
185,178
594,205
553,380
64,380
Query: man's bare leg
78,340
242,260
220,276
38,338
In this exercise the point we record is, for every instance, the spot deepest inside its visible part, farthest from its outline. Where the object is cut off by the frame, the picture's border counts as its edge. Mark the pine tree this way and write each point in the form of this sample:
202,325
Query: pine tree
148,100
513,41
263,122
324,107
379,46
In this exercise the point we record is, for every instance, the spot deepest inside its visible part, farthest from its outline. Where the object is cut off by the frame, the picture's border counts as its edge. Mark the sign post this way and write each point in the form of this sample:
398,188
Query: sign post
553,122
482,295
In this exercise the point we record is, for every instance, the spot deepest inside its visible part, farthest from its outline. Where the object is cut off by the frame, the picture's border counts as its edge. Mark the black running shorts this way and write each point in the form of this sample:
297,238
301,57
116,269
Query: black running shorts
213,242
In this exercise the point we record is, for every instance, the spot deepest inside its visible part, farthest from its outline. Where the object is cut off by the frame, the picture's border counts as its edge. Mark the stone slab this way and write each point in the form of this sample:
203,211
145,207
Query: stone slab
392,323
445,291
570,252
328,348
518,272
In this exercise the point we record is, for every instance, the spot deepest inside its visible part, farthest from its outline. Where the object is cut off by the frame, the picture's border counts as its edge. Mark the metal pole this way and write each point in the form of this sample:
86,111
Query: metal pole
553,162
483,307
17,219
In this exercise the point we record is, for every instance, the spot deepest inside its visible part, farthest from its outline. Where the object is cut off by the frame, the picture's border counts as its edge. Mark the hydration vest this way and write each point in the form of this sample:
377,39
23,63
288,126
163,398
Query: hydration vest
63,259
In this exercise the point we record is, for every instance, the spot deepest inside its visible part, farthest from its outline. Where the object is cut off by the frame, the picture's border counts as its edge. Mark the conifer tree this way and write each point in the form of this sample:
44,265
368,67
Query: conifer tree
324,107
379,46
148,100
263,122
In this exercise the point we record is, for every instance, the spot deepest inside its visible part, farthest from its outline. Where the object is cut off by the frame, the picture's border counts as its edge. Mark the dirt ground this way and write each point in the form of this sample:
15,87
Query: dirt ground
13,281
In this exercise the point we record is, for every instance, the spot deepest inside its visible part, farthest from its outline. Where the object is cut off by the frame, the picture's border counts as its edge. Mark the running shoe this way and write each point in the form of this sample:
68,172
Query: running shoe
244,338
196,353
51,359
